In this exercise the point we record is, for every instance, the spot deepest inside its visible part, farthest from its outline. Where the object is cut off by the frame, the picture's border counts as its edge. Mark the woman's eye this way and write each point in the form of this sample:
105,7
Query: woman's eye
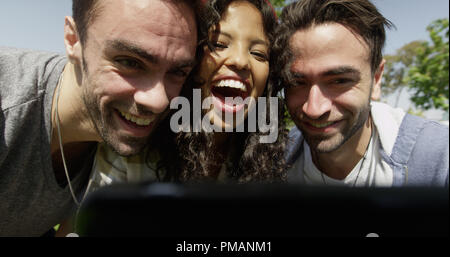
260,56
219,45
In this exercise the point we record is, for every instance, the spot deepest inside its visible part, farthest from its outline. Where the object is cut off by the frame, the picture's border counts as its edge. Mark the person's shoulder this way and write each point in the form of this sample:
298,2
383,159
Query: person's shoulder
16,60
427,126
436,129
294,136
25,73
294,132
9,51
429,157
429,136
407,124
21,54
293,144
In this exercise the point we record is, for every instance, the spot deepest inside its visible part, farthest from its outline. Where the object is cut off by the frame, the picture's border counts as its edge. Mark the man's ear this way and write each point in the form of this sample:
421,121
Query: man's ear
376,88
72,41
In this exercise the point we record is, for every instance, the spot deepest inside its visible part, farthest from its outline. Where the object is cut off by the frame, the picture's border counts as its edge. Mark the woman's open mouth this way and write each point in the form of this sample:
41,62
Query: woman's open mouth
225,93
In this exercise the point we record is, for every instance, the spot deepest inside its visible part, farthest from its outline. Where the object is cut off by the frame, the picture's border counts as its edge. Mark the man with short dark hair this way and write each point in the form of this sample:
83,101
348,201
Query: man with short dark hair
332,72
125,61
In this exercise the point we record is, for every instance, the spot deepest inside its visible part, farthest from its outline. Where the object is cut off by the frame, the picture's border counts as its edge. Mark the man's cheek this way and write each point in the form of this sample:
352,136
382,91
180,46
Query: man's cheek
174,92
293,105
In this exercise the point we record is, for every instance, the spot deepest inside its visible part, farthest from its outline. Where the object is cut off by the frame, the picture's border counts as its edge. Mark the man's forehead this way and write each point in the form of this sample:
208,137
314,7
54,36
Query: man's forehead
152,25
171,12
326,34
330,44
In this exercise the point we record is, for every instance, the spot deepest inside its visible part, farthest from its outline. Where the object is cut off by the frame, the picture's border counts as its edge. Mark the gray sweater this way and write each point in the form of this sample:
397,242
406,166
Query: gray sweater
31,201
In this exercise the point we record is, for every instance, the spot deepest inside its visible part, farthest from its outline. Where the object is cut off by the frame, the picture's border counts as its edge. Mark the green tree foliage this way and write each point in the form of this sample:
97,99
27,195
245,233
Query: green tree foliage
429,72
278,5
396,69
397,66
423,67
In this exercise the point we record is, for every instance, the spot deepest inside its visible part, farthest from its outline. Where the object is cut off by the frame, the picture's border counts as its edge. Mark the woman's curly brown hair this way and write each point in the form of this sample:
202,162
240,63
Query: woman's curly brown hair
188,156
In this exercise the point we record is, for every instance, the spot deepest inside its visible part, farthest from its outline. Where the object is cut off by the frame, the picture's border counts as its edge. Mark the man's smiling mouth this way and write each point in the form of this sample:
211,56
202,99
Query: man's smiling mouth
320,124
134,119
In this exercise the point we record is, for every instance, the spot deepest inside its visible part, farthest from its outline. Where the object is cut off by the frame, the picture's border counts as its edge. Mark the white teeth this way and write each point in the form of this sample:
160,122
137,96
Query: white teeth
321,125
138,121
232,84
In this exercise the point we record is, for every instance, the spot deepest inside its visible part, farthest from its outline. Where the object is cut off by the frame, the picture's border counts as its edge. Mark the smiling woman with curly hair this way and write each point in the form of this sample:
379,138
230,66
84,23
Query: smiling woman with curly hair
234,61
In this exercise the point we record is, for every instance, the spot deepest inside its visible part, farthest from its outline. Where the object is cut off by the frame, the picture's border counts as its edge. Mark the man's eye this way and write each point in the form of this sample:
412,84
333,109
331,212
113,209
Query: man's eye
180,73
298,83
341,81
129,63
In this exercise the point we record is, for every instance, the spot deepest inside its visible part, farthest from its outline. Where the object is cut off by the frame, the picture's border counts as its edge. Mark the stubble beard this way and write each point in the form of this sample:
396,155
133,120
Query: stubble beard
104,125
323,144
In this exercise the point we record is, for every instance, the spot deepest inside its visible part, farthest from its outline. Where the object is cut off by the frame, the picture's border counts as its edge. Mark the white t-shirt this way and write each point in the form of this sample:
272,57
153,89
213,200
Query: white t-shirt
374,171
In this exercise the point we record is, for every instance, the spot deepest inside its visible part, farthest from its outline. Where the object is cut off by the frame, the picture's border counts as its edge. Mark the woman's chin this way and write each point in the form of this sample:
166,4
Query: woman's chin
229,123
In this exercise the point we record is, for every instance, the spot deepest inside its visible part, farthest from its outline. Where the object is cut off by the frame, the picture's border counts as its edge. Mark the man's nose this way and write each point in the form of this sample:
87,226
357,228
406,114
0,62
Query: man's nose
317,103
153,96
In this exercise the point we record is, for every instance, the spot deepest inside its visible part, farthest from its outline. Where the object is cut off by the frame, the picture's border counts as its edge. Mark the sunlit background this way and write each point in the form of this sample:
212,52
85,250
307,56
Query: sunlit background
39,25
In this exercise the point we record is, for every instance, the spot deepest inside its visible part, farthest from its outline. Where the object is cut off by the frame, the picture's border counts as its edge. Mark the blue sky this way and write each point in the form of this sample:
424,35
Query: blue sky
39,24
34,24
411,17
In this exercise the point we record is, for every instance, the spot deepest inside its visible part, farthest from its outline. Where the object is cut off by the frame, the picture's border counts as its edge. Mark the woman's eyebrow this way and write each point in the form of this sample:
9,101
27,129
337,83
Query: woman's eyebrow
253,42
223,33
259,42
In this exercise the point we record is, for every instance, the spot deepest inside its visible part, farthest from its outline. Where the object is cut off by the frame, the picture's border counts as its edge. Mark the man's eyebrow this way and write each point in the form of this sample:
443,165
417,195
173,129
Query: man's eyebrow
127,46
185,64
331,72
341,70
297,75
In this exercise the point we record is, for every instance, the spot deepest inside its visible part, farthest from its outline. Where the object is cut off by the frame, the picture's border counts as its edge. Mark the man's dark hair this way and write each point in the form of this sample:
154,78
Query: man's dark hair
361,16
84,13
